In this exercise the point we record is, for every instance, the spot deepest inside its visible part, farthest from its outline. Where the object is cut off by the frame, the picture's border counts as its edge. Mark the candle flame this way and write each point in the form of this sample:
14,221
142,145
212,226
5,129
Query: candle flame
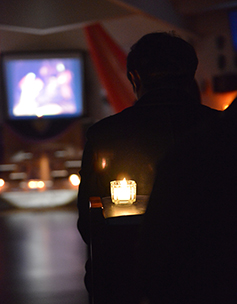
124,182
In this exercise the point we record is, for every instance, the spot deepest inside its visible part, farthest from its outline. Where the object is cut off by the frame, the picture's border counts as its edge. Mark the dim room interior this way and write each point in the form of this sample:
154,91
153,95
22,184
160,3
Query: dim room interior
48,57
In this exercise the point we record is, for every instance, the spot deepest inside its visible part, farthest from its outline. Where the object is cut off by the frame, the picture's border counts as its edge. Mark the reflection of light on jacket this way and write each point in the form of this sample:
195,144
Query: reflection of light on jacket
103,163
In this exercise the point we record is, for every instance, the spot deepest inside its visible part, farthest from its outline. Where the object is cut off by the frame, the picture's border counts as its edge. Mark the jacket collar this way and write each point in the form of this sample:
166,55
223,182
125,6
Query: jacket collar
165,96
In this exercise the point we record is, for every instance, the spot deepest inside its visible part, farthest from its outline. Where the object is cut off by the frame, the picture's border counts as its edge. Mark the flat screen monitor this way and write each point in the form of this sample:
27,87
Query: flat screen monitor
43,85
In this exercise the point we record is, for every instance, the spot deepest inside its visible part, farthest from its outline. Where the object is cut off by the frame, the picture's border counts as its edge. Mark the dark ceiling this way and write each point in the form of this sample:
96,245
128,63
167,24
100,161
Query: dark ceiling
48,16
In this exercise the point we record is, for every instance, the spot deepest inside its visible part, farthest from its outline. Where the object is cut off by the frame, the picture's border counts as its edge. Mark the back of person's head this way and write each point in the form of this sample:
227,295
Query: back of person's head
162,58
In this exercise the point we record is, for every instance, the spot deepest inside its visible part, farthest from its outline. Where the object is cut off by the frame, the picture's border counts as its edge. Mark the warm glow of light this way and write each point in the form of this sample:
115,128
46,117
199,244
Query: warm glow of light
124,183
40,184
34,184
74,179
103,163
123,191
2,182
225,107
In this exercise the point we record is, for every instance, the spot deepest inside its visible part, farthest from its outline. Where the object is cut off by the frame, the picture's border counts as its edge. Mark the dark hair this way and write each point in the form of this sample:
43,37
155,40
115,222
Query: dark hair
161,57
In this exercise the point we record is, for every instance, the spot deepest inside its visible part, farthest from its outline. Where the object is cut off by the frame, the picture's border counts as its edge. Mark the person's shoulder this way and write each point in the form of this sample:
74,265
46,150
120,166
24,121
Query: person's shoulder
110,123
208,112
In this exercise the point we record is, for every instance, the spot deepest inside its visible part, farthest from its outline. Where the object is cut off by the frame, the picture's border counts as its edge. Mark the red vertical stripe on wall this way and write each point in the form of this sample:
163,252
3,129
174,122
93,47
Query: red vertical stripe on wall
110,62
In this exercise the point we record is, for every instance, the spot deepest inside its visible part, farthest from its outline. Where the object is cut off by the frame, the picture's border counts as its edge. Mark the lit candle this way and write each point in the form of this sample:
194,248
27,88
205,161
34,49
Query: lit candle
123,191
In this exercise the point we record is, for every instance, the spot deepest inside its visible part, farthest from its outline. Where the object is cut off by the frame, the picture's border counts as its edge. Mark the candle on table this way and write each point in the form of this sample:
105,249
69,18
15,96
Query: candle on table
123,191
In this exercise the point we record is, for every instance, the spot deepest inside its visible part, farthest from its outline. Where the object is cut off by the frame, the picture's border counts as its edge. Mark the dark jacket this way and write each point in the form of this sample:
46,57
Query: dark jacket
188,246
129,144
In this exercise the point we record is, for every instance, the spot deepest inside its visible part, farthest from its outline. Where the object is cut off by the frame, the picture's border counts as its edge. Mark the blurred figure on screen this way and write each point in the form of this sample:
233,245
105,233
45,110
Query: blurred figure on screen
49,93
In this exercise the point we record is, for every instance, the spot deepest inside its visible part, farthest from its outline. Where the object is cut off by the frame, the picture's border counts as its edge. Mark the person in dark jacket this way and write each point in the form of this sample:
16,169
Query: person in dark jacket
187,251
161,68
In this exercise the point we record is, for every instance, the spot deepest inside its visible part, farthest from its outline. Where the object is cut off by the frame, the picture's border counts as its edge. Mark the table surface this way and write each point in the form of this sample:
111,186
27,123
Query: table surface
111,210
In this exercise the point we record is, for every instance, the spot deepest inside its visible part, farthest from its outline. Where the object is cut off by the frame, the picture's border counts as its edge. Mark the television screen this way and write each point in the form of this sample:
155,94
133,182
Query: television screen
43,85
233,27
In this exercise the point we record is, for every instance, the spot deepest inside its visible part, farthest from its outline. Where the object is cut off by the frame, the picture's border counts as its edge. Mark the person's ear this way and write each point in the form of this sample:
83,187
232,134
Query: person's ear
136,80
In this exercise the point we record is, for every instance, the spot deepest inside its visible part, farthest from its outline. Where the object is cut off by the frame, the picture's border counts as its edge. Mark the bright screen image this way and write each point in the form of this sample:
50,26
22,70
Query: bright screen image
44,87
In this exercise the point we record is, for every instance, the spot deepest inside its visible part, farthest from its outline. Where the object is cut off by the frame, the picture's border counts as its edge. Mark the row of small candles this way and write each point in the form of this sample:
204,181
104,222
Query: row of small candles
123,191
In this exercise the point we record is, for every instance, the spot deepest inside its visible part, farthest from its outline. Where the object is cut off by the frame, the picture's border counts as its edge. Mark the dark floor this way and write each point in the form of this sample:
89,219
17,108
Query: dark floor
41,257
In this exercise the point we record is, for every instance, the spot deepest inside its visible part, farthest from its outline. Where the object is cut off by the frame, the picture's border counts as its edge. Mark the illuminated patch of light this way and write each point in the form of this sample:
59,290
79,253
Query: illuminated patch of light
40,184
74,179
36,199
60,67
30,76
225,107
2,182
39,115
103,163
50,109
33,184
